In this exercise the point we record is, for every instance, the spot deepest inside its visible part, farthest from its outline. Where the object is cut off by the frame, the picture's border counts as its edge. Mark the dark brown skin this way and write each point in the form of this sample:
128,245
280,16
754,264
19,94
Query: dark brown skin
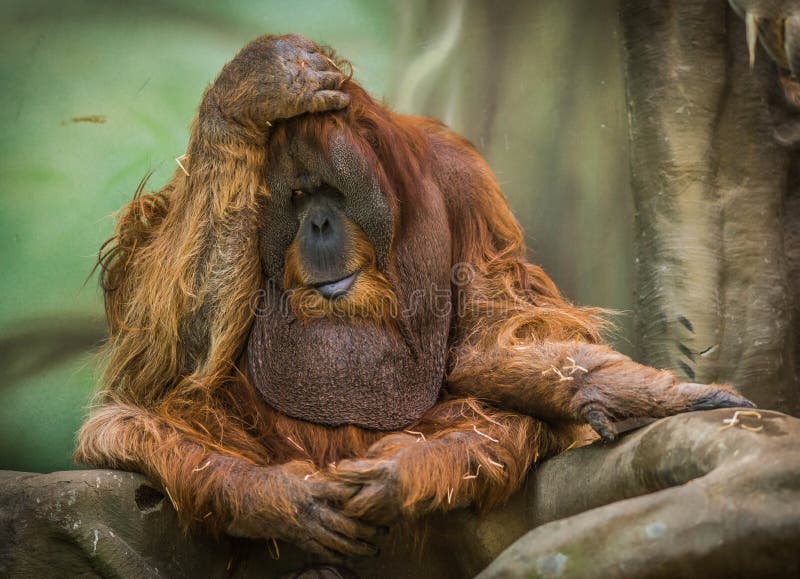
272,78
507,375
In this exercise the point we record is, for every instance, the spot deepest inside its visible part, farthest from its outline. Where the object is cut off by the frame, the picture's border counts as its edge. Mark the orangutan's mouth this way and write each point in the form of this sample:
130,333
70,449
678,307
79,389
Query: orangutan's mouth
336,289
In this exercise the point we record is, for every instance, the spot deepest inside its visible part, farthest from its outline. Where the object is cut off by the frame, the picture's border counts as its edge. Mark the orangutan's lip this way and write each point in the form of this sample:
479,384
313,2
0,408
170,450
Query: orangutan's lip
336,289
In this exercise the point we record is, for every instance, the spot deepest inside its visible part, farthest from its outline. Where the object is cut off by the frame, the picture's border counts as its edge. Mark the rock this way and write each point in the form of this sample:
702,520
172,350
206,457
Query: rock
688,495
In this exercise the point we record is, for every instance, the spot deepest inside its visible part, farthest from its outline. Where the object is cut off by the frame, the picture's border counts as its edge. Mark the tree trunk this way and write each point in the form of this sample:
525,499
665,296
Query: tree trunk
710,182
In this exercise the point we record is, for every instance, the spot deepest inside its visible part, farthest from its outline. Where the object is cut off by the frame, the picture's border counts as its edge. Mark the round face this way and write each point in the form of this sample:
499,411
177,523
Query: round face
352,322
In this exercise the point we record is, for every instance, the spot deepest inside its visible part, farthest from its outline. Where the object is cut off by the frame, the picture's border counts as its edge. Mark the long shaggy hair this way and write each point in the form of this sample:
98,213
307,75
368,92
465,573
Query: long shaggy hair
179,276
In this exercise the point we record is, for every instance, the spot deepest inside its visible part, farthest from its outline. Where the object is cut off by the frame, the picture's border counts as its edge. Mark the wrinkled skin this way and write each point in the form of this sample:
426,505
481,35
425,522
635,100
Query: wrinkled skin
273,78
318,526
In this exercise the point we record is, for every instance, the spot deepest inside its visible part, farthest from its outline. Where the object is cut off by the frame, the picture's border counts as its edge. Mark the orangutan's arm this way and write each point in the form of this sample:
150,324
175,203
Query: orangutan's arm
517,342
580,382
208,486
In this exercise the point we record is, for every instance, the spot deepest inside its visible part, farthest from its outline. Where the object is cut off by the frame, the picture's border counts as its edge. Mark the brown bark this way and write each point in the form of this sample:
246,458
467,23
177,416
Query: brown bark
714,299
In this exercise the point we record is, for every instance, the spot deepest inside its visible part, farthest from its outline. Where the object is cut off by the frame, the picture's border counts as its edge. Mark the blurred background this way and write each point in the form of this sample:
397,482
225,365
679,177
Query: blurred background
97,93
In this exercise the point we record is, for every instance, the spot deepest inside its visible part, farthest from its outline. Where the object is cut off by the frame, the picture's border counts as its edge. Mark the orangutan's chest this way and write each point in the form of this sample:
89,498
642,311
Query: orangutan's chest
336,372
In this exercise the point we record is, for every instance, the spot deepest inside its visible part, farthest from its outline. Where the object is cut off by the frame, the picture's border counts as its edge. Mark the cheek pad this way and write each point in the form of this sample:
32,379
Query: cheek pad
347,172
365,203
279,222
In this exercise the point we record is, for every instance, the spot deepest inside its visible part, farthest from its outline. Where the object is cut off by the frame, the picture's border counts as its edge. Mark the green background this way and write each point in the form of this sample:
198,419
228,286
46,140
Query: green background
537,86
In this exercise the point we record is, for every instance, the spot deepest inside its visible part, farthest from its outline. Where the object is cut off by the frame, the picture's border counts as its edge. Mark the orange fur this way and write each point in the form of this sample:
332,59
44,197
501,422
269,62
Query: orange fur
371,298
526,367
